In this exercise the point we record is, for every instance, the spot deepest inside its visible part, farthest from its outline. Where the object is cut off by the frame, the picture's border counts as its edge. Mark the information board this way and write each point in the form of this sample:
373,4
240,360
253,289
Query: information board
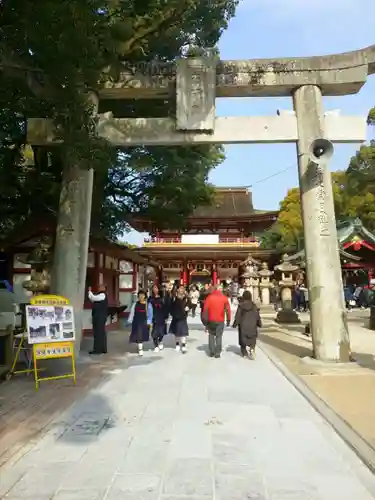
47,324
50,328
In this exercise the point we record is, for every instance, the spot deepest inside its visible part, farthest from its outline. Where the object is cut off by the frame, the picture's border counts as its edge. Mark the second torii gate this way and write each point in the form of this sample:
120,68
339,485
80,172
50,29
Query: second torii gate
197,82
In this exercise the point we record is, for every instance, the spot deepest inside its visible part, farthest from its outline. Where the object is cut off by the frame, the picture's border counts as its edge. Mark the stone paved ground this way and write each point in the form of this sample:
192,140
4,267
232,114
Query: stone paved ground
348,389
188,427
24,413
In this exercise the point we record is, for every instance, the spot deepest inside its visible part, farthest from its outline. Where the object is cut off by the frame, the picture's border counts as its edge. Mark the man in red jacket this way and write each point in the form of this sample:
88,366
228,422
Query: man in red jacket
215,311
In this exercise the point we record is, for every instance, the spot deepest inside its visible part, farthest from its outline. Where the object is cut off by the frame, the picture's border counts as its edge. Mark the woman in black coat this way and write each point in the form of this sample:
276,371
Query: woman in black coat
179,309
159,318
247,320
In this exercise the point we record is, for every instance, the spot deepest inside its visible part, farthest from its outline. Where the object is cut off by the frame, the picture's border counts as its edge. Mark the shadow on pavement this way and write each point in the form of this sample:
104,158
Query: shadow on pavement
288,347
365,360
94,414
33,413
204,348
234,350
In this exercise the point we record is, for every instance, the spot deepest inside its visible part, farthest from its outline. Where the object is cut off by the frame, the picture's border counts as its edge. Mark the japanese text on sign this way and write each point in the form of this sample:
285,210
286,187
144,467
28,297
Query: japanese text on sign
320,197
196,90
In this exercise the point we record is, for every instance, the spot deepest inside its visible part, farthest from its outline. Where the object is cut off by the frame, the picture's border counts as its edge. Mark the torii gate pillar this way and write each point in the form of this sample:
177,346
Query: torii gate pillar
328,317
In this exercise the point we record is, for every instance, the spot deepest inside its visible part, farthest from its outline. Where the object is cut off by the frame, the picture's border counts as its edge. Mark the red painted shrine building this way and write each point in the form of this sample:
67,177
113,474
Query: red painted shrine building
216,239
358,241
114,265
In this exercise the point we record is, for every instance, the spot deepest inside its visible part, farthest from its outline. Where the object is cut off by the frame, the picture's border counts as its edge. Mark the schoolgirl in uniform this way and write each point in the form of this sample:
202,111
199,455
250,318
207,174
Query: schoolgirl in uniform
159,318
179,310
140,318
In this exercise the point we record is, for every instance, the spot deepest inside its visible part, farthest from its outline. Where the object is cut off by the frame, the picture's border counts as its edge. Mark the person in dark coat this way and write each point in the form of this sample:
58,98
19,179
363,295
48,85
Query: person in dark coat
207,289
140,319
159,318
275,295
99,318
179,310
247,320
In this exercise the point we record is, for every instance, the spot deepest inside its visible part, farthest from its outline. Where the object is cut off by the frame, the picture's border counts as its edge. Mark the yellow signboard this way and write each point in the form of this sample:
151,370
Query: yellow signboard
49,300
54,349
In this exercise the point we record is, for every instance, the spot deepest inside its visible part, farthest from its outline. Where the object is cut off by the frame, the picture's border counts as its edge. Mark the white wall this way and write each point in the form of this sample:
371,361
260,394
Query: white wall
126,299
200,239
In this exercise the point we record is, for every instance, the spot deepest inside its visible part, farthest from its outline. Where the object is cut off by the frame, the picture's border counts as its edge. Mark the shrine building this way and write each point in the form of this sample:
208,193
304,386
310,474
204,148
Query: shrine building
358,242
119,268
215,240
357,253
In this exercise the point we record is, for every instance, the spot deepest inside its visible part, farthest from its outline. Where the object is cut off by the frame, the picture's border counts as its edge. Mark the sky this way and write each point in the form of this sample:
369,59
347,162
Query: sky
287,28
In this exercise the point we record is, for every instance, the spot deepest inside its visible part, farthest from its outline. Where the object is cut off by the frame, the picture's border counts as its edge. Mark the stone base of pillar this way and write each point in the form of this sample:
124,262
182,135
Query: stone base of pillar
265,293
287,316
266,309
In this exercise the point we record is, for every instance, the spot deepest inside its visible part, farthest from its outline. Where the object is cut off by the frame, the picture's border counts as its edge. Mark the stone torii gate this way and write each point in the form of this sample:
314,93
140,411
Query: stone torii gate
196,82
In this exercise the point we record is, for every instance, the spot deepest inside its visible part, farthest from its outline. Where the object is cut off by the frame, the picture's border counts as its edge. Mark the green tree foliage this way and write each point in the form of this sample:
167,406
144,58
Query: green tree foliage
354,196
163,184
51,54
287,232
371,117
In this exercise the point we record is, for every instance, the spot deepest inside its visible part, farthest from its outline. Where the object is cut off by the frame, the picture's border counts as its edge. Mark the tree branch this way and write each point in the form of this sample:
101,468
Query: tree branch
167,17
12,66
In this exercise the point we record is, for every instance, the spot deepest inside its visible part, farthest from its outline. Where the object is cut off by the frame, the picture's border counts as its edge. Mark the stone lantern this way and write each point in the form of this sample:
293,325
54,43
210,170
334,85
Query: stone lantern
265,283
39,259
287,269
249,276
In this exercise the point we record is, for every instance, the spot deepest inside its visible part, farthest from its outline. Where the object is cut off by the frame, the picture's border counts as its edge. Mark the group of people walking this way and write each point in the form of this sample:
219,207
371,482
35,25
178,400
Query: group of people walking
149,317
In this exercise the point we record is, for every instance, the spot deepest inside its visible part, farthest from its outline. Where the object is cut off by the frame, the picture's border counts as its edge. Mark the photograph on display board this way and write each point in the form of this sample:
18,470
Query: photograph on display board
37,332
68,330
68,313
59,313
54,331
49,323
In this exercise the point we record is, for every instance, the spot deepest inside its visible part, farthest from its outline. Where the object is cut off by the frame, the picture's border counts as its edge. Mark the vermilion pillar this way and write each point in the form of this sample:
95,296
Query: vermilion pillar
214,274
183,275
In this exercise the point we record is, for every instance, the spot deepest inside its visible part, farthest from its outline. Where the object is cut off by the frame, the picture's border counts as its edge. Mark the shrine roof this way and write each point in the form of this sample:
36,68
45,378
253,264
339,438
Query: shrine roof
349,232
228,202
354,228
300,257
230,207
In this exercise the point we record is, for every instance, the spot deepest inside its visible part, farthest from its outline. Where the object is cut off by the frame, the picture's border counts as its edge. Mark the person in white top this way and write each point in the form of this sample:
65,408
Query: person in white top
194,298
99,319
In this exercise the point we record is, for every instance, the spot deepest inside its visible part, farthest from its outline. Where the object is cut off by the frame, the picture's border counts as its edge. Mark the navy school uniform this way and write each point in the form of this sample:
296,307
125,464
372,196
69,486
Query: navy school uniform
159,316
179,325
140,318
